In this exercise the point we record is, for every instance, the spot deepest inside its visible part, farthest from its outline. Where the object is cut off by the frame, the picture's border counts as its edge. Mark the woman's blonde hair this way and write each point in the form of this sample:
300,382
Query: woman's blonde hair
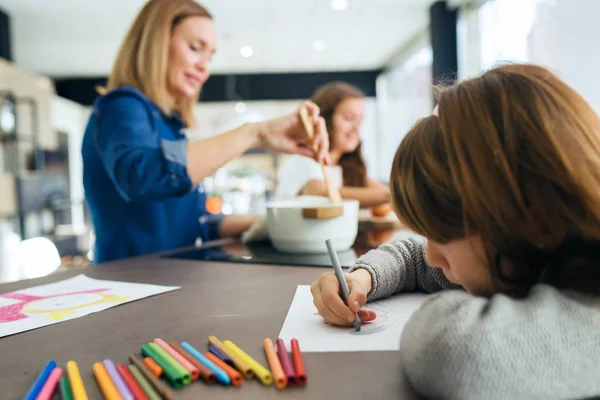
514,157
143,56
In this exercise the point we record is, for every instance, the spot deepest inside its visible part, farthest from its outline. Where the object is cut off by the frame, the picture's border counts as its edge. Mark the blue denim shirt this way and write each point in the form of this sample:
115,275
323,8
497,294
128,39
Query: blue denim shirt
139,194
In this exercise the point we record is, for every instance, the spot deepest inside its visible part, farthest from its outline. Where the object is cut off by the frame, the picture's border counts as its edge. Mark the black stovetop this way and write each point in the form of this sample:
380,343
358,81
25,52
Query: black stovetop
260,253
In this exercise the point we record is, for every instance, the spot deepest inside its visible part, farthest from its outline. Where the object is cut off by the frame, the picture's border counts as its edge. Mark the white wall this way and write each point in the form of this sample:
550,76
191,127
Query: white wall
564,37
561,35
404,95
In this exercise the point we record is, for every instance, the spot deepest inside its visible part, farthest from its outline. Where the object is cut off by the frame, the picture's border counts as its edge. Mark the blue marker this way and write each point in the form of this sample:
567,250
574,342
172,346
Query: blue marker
219,373
36,388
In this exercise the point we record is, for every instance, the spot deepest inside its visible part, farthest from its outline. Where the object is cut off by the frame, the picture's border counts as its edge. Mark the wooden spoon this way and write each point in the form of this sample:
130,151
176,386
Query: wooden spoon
332,191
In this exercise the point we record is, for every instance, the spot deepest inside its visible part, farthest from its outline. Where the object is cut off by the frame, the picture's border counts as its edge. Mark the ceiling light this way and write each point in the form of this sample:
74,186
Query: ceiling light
338,5
319,45
240,107
246,51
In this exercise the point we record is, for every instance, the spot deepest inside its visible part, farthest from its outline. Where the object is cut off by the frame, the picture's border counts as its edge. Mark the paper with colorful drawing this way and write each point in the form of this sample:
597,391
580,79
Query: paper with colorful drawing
49,304
304,323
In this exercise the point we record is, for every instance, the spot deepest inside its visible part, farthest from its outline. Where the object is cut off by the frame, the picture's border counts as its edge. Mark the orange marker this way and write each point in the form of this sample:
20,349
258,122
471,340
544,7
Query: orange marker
234,375
276,369
153,367
108,388
298,363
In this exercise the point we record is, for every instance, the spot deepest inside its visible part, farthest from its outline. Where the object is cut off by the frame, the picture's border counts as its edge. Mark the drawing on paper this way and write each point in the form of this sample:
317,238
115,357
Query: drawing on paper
383,320
61,301
382,334
56,307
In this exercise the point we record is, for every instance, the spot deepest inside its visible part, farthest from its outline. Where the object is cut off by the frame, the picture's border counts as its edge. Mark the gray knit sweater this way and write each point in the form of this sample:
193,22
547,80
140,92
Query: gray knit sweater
457,346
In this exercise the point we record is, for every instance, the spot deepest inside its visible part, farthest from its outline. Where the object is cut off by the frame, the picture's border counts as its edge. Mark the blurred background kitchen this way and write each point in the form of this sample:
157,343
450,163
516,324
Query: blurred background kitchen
272,53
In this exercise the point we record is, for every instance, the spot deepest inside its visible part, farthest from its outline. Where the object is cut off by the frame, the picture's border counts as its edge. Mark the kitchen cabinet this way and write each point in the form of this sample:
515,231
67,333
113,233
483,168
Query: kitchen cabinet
40,89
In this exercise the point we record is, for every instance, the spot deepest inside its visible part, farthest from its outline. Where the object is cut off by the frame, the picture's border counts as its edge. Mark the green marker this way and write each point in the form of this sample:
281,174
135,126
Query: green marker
65,389
175,373
146,386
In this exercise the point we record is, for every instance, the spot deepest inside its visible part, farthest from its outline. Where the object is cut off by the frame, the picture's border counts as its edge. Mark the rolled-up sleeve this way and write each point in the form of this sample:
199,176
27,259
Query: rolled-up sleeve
140,166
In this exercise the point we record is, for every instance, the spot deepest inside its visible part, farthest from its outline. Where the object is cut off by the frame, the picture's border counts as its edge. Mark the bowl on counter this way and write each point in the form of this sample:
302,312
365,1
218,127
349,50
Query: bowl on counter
291,232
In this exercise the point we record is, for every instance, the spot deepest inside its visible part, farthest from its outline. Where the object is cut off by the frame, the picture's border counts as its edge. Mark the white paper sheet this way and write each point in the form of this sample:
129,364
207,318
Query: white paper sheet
49,304
304,323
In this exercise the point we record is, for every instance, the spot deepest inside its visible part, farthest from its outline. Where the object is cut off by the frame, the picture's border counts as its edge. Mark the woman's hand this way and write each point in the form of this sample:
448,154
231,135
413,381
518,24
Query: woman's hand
258,231
287,134
326,297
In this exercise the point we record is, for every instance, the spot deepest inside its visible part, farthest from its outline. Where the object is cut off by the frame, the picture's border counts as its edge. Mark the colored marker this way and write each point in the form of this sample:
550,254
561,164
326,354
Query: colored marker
234,375
175,373
344,291
219,373
132,385
144,383
77,388
206,374
275,364
240,364
263,374
117,380
158,385
192,369
107,386
36,388
153,366
220,354
298,363
286,364
65,389
48,388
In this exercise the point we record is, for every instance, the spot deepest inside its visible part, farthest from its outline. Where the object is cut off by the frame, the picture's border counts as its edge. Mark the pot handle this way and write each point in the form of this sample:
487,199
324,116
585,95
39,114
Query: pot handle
322,212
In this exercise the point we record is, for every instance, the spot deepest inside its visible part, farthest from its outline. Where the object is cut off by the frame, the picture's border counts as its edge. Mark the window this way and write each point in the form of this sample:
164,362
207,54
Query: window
404,94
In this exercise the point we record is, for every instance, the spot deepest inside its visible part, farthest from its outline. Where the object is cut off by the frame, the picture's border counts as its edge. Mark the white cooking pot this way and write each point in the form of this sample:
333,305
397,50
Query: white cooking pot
291,232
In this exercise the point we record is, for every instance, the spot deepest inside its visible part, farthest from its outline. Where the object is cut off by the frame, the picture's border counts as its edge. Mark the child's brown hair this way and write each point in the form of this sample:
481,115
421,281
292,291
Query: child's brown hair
514,157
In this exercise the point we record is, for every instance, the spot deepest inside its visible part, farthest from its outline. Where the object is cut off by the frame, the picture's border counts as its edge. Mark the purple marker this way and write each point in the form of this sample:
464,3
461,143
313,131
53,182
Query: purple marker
117,380
219,354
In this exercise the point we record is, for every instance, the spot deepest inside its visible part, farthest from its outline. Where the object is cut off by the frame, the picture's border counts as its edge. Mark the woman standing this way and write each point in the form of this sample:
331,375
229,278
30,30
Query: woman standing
142,177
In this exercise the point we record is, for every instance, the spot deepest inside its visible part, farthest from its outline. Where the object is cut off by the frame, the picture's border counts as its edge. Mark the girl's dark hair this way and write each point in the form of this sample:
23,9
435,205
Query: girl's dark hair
328,97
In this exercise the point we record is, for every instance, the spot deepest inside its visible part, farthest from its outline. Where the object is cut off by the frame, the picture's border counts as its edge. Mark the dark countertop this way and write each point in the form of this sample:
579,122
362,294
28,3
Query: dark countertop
244,303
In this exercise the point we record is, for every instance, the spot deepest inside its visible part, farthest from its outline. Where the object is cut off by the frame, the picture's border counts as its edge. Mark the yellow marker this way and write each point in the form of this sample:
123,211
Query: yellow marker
240,364
109,390
263,374
75,381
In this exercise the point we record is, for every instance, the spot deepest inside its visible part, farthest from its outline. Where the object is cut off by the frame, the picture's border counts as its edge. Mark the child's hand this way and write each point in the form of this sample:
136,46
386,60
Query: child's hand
326,297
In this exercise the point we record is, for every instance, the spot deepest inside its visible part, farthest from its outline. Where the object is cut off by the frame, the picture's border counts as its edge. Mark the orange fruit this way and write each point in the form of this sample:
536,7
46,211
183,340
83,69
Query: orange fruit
214,205
381,210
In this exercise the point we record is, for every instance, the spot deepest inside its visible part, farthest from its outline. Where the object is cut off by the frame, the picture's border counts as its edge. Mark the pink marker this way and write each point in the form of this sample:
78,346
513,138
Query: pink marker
286,363
194,371
48,388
